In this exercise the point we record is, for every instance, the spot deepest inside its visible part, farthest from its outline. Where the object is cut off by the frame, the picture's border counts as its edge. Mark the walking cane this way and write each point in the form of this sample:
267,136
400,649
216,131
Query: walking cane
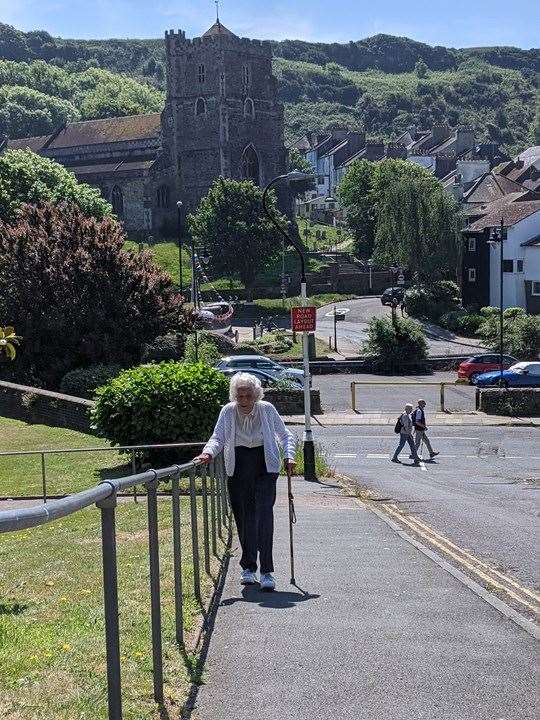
292,521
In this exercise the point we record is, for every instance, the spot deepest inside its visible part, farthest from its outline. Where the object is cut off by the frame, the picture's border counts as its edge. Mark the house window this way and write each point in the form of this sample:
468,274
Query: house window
508,266
117,201
200,107
472,274
472,244
249,108
519,265
163,197
202,74
535,288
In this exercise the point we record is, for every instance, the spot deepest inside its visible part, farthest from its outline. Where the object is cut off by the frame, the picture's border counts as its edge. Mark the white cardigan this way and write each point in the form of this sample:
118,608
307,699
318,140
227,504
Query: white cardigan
273,430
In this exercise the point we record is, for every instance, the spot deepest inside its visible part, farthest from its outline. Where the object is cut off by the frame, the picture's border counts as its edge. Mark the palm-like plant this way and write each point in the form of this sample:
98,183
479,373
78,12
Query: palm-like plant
8,342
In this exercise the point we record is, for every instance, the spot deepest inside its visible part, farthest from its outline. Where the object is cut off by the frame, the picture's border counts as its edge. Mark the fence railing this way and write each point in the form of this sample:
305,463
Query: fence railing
441,385
216,519
131,449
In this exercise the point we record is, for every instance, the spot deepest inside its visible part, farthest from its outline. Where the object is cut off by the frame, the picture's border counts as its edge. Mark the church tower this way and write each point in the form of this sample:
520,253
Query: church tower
222,115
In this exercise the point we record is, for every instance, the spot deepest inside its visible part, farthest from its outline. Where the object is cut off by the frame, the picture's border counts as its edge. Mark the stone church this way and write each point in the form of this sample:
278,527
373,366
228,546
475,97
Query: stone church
222,117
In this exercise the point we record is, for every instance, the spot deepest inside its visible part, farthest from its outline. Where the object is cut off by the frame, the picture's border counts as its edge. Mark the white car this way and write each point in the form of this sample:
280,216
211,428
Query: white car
260,362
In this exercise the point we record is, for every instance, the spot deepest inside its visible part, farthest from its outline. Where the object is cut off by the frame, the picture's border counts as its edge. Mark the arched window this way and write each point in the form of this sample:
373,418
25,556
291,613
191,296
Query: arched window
200,107
250,165
163,197
245,77
117,201
249,108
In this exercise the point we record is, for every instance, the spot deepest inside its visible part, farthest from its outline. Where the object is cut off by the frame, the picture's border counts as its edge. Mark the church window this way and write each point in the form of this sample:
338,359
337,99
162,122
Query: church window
202,74
163,196
245,77
249,108
250,165
117,201
200,107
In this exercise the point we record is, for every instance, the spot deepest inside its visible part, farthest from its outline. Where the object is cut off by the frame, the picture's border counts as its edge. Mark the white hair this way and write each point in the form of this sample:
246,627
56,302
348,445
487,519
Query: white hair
245,380
408,407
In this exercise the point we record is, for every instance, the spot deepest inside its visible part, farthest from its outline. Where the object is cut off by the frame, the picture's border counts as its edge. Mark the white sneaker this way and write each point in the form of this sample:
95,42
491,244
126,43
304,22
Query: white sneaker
248,577
267,582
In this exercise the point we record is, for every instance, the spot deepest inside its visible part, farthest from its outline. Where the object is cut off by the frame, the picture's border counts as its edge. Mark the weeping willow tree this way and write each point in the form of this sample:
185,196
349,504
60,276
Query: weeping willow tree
418,228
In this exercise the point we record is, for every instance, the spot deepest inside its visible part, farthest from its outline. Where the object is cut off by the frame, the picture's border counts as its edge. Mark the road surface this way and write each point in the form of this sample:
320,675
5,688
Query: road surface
480,492
352,332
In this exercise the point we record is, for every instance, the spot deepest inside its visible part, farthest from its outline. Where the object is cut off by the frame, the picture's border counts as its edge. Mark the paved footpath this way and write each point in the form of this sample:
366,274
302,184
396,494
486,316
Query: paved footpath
436,418
381,632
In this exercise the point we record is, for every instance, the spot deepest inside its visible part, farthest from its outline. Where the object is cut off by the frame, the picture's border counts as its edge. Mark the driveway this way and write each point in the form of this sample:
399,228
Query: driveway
352,332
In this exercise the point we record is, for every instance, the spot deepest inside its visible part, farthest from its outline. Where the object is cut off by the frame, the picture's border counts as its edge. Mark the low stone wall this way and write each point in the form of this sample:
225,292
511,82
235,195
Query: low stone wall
291,402
514,402
36,406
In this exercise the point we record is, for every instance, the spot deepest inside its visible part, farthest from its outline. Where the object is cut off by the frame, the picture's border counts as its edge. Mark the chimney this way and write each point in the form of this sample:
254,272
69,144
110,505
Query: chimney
440,133
464,139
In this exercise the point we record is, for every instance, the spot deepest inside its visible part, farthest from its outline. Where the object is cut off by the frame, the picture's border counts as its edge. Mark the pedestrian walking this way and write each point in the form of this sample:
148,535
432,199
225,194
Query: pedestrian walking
420,429
250,431
404,426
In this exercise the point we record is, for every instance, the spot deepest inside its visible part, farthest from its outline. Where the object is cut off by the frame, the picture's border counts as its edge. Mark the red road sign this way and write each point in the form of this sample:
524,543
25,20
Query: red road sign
304,319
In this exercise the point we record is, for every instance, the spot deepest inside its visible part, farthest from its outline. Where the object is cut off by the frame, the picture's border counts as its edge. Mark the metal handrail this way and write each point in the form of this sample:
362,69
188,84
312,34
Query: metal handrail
214,506
59,451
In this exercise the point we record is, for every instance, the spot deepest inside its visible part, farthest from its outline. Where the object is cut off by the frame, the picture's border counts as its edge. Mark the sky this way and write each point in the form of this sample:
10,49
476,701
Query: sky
454,23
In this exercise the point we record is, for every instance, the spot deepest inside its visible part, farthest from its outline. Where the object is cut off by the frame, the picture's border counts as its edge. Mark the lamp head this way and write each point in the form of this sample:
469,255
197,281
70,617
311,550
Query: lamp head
298,176
179,204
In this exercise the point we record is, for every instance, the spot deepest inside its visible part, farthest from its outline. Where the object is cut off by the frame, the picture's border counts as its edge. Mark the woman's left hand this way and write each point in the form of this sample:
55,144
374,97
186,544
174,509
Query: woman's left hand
290,466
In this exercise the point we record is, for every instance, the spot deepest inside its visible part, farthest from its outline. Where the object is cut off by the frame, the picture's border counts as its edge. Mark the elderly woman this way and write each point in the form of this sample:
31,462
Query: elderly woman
249,431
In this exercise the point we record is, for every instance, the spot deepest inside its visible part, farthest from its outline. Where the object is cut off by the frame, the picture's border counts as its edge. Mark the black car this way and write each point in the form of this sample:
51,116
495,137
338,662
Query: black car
390,293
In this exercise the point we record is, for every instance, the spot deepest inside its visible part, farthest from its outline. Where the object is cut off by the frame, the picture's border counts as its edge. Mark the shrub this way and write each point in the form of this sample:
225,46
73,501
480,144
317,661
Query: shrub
76,296
83,382
170,402
462,322
163,348
276,343
397,344
201,349
521,331
431,302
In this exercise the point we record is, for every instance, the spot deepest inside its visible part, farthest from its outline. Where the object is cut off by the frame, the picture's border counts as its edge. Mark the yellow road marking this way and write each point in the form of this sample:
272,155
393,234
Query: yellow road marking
430,535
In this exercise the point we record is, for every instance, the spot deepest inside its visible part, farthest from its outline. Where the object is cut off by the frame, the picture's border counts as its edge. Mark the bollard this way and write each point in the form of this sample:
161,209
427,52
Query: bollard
353,396
442,397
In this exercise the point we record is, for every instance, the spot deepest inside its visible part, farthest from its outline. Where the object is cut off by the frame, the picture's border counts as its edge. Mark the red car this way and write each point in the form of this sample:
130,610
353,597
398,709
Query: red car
472,367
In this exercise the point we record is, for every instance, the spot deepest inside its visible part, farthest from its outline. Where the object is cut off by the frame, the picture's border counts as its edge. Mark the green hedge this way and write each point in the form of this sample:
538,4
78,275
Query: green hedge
83,382
170,402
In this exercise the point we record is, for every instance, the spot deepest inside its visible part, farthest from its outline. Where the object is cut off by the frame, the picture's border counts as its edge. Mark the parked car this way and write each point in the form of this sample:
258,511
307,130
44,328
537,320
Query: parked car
521,374
267,380
397,292
474,366
247,363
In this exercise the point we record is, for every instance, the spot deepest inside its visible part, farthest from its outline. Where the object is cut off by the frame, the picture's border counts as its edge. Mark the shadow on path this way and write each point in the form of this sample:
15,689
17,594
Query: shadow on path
281,599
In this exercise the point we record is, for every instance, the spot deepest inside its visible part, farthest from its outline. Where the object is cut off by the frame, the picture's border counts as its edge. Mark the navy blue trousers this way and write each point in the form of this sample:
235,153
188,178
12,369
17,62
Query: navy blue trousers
252,492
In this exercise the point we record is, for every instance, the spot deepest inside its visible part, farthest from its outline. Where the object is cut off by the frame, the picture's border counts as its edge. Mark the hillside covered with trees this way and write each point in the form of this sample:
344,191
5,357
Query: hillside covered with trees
382,83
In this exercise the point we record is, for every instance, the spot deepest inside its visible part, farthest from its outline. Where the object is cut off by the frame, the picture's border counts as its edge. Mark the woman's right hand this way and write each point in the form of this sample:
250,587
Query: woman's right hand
203,459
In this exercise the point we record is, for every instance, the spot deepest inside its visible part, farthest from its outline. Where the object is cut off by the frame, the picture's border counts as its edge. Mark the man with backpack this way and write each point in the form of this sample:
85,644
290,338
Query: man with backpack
404,426
420,429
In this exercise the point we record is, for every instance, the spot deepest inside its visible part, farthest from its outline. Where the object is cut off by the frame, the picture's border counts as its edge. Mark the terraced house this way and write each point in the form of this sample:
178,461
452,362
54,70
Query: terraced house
221,117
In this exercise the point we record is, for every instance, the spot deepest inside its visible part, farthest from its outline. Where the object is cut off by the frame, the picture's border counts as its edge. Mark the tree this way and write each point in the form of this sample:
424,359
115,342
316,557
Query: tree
29,178
231,222
421,69
76,296
297,161
355,193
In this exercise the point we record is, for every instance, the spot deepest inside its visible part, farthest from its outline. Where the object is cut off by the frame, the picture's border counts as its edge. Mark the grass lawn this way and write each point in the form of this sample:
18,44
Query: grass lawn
52,647
275,306
342,239
67,473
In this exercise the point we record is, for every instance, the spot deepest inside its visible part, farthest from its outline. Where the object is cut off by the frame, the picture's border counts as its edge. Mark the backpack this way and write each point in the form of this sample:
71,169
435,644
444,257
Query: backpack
397,428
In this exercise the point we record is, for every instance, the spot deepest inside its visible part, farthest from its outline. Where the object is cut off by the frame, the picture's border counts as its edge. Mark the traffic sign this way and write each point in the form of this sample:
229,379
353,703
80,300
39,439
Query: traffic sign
304,319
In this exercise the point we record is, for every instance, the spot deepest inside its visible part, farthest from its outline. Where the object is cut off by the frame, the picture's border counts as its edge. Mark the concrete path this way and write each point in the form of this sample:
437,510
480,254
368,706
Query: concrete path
380,632
435,419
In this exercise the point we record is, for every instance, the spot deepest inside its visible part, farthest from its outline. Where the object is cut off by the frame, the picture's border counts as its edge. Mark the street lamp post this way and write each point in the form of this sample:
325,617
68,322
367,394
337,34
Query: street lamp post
497,236
179,208
309,448
370,265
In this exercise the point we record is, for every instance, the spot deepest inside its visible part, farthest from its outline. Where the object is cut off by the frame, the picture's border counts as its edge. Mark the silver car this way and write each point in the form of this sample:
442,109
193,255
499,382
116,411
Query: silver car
260,362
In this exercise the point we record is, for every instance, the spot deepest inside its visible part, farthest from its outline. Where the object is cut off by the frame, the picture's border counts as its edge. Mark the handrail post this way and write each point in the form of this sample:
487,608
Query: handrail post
153,556
442,397
134,471
194,537
43,477
177,559
353,396
218,499
110,598
206,533
213,507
